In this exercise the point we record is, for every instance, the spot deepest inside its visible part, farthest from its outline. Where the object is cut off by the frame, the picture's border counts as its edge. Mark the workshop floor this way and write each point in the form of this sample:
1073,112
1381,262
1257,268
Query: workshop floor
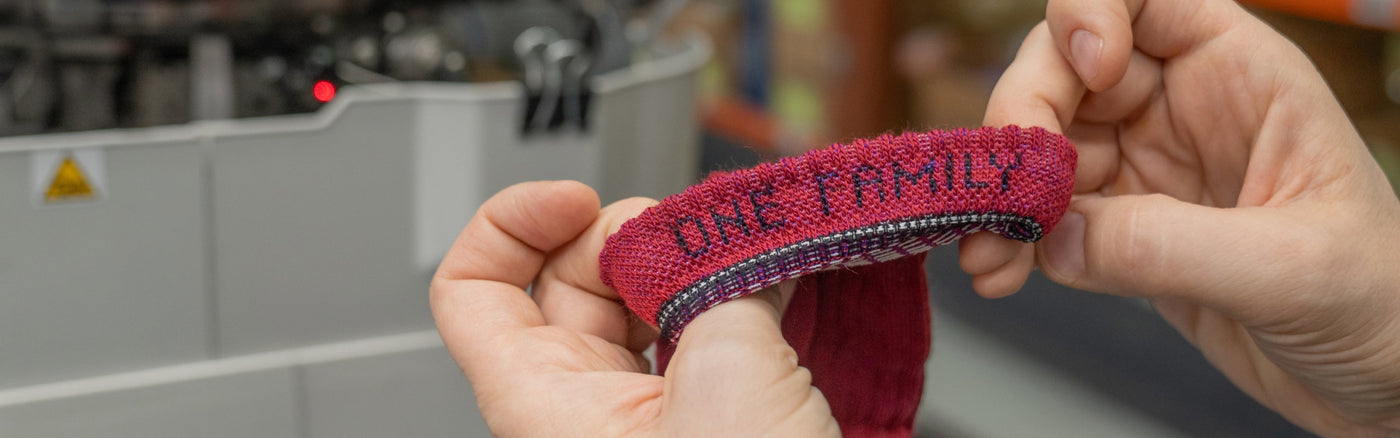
978,387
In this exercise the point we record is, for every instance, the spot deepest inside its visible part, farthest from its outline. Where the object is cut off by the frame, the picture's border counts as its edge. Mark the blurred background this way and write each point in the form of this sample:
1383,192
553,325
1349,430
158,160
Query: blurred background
219,218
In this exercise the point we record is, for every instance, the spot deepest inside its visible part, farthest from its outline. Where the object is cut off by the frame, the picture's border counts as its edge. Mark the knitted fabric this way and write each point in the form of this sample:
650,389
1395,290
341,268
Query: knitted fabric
865,202
870,208
864,333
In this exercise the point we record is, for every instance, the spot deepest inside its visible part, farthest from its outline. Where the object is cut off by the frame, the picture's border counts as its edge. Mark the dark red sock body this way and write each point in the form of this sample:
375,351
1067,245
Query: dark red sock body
866,350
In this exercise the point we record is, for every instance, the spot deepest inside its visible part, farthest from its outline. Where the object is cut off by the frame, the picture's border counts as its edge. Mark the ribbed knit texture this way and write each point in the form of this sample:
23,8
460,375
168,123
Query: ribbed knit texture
857,217
868,334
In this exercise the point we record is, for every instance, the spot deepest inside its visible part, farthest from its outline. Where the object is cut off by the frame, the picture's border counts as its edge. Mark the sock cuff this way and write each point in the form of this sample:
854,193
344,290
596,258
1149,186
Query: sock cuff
864,202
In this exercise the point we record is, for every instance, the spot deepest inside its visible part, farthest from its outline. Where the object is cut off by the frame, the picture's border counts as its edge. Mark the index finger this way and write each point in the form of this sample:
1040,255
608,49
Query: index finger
478,292
1040,88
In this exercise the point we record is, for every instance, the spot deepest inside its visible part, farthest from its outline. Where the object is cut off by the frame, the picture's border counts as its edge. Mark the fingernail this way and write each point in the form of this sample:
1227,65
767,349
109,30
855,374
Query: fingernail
1085,48
1063,248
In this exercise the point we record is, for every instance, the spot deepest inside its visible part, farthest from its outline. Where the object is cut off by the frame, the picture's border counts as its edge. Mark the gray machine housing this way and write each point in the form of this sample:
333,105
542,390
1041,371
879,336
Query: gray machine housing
268,277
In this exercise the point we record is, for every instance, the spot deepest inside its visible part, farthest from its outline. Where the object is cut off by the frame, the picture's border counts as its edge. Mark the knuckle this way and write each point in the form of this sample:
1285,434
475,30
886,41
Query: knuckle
780,355
1133,250
438,292
775,360
1040,32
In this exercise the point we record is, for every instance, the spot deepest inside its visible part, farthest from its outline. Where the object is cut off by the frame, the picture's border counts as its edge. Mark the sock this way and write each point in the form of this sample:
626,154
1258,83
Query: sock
852,221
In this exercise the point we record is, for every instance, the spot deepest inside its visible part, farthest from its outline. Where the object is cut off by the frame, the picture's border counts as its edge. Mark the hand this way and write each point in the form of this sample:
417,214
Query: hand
566,359
1219,178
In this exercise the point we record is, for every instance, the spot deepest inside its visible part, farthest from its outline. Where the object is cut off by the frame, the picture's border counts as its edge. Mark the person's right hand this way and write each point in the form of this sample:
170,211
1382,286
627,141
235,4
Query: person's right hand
1219,178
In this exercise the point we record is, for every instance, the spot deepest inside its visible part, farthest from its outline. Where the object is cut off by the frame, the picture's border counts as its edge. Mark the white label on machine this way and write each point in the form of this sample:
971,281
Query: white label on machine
65,176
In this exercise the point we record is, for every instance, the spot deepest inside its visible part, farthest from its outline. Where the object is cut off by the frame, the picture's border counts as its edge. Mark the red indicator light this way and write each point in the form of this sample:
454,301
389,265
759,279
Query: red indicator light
324,91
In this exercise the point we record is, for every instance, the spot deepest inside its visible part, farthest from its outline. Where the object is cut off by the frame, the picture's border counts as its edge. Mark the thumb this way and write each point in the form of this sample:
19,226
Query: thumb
733,374
1155,246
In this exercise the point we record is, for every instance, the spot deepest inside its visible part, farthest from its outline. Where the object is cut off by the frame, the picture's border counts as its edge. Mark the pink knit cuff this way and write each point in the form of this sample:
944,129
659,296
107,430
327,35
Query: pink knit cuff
850,204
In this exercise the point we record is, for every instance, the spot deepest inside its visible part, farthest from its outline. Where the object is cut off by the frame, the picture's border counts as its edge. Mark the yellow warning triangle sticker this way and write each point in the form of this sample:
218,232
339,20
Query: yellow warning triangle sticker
68,183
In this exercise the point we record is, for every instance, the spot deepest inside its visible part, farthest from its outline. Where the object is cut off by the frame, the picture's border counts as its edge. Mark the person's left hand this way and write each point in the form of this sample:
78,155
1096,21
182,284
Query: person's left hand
565,359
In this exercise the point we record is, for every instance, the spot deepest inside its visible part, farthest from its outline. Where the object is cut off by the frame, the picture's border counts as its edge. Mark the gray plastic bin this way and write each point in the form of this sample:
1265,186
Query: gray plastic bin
233,237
